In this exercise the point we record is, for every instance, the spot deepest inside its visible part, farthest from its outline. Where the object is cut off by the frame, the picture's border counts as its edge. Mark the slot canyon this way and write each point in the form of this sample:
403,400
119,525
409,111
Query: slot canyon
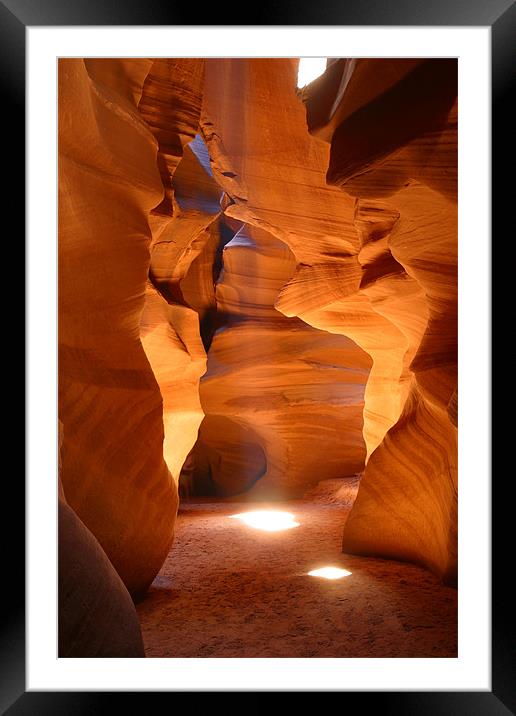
257,319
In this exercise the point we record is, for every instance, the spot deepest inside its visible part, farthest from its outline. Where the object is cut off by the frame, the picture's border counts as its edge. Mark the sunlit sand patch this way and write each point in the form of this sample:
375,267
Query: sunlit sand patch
329,573
267,520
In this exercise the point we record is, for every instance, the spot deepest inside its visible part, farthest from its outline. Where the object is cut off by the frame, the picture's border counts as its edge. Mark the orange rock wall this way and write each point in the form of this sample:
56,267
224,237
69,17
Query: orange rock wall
254,126
393,146
120,140
97,617
344,261
276,392
376,263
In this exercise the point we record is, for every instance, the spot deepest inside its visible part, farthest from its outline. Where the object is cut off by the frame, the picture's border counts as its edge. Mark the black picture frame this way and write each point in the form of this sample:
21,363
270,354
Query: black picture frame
15,17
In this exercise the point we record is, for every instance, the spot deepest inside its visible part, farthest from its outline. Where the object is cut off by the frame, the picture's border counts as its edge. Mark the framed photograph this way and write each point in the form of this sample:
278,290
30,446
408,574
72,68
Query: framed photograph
250,464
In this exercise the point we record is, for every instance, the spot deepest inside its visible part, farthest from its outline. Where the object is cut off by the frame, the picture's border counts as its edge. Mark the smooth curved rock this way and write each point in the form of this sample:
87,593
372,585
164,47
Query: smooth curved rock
255,128
346,263
275,387
228,459
400,144
170,337
97,617
181,226
386,316
276,174
377,264
114,474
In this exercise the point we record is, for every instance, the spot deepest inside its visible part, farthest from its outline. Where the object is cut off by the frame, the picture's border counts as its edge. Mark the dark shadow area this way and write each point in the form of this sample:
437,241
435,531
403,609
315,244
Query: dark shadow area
226,460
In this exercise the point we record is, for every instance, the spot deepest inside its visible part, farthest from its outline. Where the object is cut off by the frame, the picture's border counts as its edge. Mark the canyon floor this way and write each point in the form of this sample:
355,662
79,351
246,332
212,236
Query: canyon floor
228,590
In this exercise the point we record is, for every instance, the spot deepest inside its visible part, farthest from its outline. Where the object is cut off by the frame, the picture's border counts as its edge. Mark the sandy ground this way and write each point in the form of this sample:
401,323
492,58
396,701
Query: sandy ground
228,590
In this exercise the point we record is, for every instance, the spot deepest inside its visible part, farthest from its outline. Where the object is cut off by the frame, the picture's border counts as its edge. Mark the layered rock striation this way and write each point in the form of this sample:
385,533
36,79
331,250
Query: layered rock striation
121,139
286,291
297,236
97,617
376,264
276,392
393,142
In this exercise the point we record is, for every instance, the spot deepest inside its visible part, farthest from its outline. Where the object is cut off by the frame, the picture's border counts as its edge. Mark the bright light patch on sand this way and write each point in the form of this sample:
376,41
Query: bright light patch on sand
268,520
309,69
329,573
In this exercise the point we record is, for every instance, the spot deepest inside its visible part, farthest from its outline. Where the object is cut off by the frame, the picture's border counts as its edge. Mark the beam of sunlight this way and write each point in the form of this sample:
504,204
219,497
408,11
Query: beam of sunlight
309,69
329,573
267,520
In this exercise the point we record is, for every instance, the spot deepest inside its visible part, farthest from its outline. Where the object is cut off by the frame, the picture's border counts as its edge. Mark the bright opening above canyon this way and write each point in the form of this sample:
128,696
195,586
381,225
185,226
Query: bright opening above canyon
257,331
309,69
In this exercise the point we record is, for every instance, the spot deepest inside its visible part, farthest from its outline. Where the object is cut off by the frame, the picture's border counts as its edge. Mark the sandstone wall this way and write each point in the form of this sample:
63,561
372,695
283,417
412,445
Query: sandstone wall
277,392
97,617
204,231
376,263
122,127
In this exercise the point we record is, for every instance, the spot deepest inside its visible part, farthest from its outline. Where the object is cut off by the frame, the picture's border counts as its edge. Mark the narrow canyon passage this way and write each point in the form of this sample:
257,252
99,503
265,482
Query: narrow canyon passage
230,590
257,304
